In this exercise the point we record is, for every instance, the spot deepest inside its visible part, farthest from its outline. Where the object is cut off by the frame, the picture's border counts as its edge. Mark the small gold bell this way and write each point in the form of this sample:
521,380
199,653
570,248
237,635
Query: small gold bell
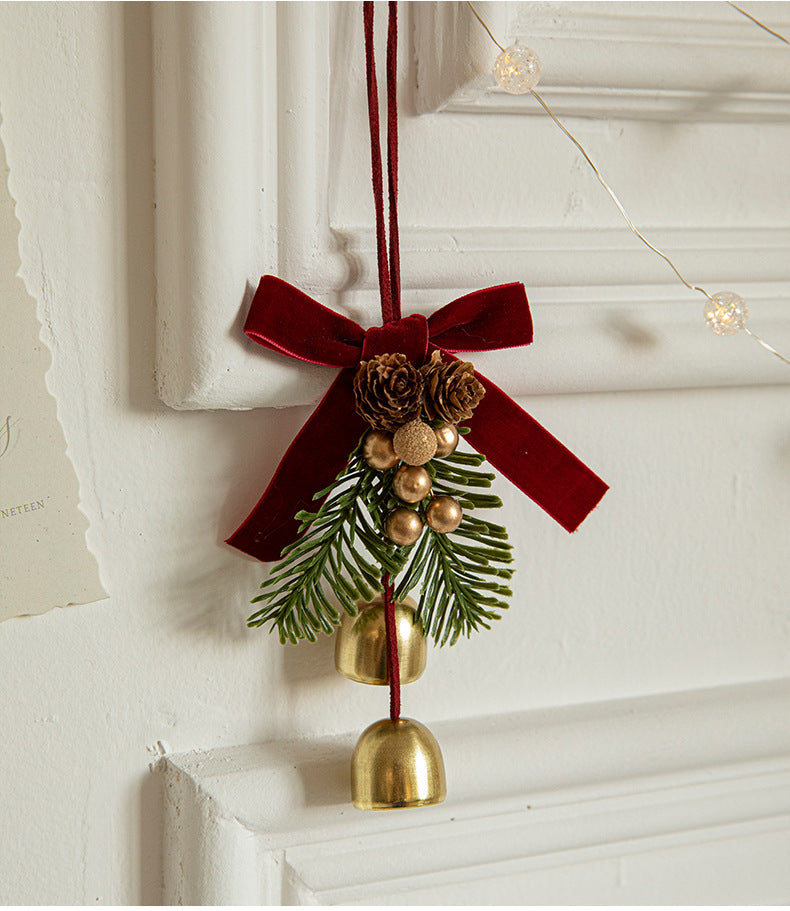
361,643
397,764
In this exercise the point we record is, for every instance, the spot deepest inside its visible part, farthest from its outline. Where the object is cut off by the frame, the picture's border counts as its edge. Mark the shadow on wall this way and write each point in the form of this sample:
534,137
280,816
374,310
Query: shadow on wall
139,159
309,662
210,589
783,453
628,332
325,778
140,290
151,816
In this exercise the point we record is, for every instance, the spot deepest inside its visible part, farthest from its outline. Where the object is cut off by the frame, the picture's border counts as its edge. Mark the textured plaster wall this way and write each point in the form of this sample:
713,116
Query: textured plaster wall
678,581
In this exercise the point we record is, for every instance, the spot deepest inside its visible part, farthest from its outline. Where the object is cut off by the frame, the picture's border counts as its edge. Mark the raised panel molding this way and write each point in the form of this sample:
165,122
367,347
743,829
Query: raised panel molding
242,188
241,183
644,61
682,798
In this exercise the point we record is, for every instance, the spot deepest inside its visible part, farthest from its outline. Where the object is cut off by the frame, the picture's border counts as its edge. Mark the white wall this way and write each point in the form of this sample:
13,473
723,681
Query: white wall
677,581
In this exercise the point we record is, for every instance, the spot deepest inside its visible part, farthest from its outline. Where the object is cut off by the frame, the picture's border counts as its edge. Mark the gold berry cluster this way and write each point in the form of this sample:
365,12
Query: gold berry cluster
393,396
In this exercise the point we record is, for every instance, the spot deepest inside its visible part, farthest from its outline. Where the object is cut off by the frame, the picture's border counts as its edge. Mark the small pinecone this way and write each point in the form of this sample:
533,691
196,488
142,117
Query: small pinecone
388,390
452,392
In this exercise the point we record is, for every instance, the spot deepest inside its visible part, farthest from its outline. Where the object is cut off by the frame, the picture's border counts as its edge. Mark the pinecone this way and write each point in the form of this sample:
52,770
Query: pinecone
452,392
388,390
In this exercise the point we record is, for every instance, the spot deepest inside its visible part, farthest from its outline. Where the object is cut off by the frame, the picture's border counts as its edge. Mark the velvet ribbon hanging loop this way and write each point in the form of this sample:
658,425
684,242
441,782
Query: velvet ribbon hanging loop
389,271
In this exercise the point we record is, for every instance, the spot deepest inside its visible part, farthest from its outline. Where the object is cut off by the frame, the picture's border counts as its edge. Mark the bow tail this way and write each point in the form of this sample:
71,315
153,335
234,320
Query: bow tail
535,461
312,462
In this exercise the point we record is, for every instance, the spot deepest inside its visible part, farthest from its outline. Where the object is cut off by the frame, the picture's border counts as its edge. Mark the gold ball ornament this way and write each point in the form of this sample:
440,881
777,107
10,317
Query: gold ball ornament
378,451
415,443
446,440
443,514
404,526
411,483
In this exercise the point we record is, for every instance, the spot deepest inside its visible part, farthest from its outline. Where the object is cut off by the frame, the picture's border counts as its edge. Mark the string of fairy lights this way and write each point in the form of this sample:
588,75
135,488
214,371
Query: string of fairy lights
517,71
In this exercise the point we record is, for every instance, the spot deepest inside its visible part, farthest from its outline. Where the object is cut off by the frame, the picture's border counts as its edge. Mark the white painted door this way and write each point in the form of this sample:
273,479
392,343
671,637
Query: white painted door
628,756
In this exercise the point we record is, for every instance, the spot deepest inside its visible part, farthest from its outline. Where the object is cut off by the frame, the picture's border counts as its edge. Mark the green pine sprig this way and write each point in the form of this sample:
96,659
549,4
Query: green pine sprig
342,545
460,587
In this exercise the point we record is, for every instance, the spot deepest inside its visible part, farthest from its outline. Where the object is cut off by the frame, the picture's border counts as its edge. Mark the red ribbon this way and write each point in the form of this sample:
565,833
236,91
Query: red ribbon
284,319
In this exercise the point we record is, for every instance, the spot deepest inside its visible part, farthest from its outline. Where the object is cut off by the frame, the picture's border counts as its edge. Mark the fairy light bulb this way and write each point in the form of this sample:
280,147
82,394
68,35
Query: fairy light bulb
517,69
726,313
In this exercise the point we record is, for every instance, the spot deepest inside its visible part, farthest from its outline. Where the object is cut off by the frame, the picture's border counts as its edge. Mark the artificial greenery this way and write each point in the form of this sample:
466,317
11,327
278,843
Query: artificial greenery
460,574
343,544
327,550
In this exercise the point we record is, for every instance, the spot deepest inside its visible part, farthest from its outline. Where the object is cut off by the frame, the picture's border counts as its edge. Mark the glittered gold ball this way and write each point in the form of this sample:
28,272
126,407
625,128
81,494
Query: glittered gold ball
443,514
404,526
378,451
411,483
446,440
415,443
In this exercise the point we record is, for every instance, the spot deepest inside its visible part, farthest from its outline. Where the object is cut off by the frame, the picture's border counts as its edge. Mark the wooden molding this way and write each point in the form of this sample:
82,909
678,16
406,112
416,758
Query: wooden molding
641,785
643,61
242,186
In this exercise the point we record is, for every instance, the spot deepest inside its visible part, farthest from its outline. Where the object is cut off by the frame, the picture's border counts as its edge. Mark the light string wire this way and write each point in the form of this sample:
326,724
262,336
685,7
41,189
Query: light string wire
614,196
756,21
770,31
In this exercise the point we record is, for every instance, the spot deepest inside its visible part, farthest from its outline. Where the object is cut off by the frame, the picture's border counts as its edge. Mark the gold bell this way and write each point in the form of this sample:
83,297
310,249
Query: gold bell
397,764
361,643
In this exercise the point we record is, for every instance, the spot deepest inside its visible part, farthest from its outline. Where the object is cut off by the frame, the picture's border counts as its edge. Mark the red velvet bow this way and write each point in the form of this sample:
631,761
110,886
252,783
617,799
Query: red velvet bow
284,319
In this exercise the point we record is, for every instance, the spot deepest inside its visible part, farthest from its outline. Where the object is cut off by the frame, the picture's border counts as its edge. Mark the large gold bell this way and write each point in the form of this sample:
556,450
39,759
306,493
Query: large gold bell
361,643
397,764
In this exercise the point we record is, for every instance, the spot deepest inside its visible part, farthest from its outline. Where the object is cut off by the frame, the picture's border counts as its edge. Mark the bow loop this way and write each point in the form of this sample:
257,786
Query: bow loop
284,319
484,320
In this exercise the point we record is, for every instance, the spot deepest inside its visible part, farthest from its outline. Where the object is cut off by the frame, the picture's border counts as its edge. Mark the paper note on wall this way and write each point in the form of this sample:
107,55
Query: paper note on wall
44,560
